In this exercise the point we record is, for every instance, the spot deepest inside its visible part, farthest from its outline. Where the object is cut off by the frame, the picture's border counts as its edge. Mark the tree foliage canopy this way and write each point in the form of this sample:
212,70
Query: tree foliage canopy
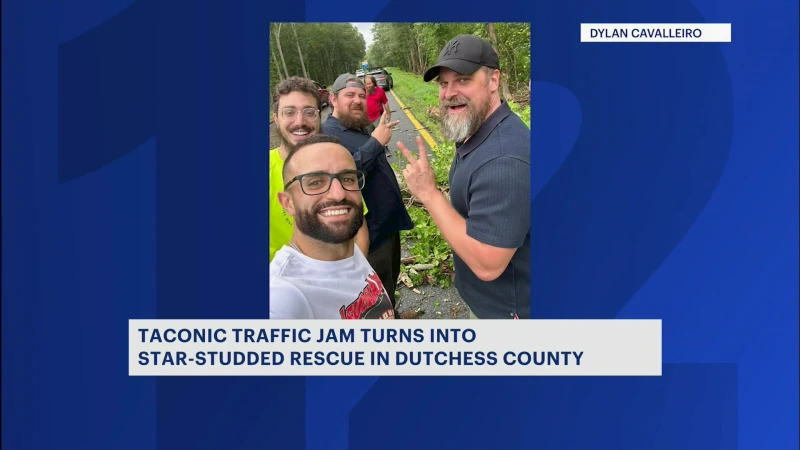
328,49
414,47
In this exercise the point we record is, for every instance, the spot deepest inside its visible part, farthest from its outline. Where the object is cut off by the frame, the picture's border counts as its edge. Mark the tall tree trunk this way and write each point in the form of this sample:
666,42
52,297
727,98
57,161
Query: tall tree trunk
277,66
504,73
328,66
331,63
419,55
280,50
302,63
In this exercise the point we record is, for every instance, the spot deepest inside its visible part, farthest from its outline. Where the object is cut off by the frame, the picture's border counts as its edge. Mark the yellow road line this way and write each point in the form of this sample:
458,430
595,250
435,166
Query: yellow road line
414,121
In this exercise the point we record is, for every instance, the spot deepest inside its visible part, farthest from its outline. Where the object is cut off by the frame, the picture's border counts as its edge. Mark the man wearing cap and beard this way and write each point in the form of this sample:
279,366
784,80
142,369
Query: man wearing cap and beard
387,215
487,221
321,273
297,105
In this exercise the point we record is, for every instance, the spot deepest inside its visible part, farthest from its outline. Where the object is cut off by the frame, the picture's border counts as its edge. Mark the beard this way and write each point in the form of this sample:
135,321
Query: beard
286,140
458,126
353,122
310,224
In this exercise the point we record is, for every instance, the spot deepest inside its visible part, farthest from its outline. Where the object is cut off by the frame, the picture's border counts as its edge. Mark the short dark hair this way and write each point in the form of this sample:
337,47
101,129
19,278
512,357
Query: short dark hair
296,84
315,139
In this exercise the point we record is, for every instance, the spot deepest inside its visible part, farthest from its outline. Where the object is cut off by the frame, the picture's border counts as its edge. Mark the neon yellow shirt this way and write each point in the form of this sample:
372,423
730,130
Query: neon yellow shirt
281,224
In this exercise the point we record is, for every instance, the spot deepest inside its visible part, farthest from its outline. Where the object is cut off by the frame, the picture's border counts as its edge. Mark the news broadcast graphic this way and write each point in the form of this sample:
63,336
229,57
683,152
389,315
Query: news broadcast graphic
379,348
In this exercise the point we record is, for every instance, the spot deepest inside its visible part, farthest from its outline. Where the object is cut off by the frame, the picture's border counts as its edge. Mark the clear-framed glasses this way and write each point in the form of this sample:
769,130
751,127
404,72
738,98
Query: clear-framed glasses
289,113
318,183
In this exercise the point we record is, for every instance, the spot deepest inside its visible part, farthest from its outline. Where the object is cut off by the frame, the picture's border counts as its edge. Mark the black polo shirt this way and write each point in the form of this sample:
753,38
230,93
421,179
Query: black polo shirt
490,187
387,214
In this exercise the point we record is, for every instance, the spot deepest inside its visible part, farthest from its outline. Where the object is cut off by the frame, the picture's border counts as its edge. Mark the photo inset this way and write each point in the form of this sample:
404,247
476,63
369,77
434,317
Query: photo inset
400,171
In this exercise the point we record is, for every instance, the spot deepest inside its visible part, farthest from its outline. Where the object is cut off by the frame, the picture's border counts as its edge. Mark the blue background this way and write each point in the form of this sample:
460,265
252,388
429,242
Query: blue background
134,176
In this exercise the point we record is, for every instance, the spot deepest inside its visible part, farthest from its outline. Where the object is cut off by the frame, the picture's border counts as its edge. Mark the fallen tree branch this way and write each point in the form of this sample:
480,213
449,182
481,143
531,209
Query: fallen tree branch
447,270
406,280
408,260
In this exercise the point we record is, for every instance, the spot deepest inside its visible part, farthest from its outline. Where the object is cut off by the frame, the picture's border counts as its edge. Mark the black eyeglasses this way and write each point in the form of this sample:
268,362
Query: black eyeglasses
318,183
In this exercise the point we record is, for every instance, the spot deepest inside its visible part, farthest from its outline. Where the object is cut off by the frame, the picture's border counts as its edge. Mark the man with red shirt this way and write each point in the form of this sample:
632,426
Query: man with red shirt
377,102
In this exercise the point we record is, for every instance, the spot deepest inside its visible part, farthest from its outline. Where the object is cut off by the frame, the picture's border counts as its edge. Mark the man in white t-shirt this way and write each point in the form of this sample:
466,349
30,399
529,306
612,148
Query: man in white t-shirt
322,274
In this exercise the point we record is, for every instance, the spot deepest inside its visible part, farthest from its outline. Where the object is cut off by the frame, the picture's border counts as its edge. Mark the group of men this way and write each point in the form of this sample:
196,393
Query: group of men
336,211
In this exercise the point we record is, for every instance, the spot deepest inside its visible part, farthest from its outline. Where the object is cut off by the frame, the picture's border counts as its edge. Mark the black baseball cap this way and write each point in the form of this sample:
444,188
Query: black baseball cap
465,54
341,82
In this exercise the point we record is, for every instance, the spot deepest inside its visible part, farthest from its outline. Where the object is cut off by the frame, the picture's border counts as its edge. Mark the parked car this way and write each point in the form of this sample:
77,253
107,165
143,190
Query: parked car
360,73
383,77
323,93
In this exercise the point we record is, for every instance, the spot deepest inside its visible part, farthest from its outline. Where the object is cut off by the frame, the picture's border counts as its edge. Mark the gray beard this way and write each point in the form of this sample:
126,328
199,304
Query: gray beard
459,127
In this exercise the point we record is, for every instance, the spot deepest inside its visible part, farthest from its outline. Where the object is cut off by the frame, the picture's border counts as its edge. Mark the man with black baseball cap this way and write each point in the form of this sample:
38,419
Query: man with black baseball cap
387,215
465,54
487,221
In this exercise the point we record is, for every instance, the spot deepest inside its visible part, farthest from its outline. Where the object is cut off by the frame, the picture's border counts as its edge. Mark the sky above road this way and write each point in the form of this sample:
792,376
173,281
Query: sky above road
365,28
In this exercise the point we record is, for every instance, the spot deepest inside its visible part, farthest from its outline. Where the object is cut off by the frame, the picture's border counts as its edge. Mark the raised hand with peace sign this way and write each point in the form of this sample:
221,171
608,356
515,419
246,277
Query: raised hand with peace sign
418,174
383,132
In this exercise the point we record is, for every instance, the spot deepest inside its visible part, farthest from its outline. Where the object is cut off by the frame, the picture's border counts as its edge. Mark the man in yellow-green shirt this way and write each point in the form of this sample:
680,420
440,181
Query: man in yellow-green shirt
297,116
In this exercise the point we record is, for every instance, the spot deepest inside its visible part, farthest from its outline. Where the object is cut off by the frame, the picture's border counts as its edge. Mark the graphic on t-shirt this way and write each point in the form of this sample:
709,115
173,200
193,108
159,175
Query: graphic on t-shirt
372,302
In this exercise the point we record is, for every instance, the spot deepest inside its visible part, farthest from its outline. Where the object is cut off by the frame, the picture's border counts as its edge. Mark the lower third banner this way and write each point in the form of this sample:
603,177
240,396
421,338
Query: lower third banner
375,348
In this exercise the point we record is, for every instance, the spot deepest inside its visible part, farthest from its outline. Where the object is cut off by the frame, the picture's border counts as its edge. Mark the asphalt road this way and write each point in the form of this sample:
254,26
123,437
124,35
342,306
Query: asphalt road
421,302
405,132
